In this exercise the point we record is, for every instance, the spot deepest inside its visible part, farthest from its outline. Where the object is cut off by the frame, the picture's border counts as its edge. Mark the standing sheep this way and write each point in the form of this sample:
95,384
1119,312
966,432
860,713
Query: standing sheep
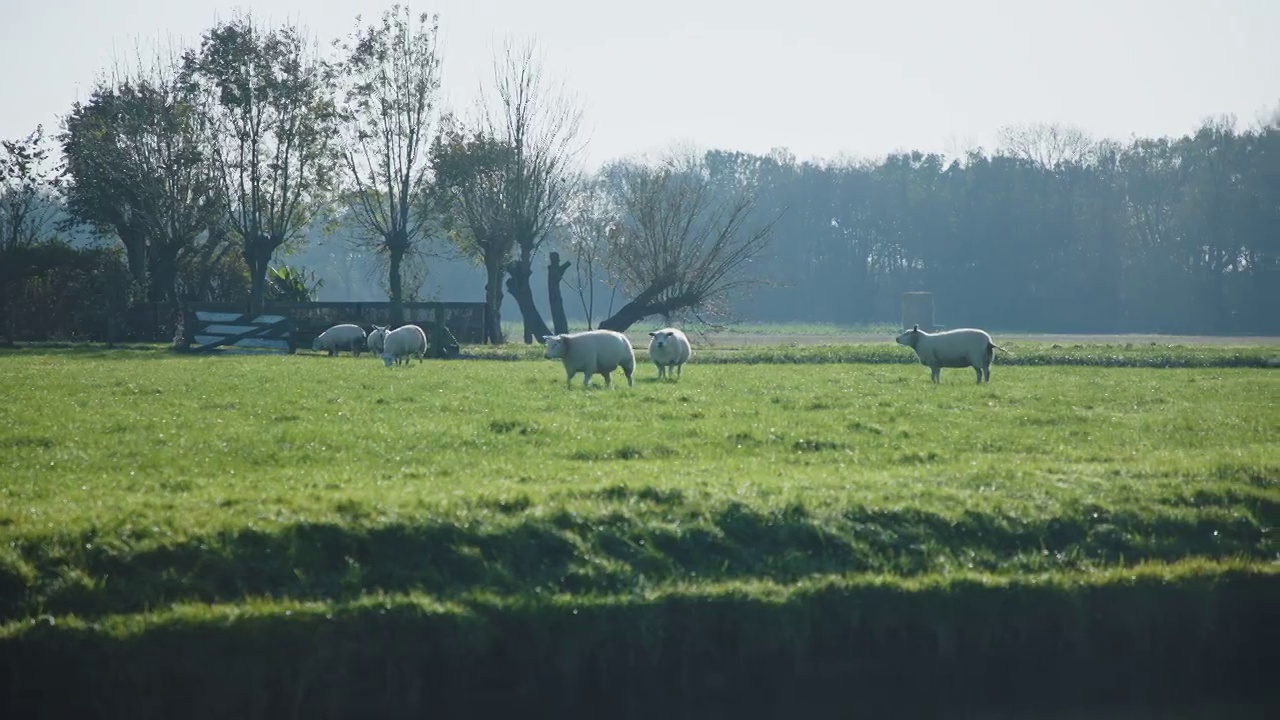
340,337
963,347
377,336
669,349
403,343
590,352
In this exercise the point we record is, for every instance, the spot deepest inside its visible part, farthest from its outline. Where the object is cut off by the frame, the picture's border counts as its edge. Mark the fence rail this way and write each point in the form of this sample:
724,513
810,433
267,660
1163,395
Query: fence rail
464,321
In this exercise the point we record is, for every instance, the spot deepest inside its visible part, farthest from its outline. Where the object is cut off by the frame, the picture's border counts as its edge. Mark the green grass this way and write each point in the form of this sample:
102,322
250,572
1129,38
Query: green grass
131,484
1020,353
145,492
514,329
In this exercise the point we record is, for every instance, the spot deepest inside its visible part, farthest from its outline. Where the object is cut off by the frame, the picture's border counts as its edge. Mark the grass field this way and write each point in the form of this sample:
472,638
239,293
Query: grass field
147,494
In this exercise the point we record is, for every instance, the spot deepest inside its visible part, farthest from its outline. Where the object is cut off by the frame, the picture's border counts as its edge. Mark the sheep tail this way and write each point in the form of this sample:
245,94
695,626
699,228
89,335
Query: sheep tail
997,347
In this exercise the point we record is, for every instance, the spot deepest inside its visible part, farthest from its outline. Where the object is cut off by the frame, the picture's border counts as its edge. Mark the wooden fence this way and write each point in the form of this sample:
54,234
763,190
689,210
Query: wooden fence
290,326
465,320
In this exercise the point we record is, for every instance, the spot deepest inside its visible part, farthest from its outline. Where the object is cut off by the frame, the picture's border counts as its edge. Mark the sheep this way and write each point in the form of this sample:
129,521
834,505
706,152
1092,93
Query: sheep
340,337
962,347
377,336
669,349
402,343
590,352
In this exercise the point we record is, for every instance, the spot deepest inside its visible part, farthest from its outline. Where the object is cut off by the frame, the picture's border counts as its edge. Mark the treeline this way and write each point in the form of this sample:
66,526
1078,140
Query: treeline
1053,232
255,165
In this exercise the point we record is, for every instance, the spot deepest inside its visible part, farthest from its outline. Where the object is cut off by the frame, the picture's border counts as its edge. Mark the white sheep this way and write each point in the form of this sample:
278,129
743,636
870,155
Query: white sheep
669,349
340,337
403,343
590,352
377,336
962,347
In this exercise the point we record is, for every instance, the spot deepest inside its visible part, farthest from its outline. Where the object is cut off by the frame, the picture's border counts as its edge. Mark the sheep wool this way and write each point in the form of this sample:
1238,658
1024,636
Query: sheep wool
340,337
591,352
377,337
404,343
669,350
962,347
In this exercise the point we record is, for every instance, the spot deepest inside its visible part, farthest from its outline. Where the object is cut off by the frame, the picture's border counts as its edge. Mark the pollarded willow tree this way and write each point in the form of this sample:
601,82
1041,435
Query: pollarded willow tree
683,240
390,83
541,125
472,171
507,178
266,98
589,225
140,168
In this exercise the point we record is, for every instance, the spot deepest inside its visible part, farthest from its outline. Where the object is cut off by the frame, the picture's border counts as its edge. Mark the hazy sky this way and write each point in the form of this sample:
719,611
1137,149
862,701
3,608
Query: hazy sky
822,78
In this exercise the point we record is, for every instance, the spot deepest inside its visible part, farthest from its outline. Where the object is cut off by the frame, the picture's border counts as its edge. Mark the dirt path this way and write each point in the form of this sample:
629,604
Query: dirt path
1137,339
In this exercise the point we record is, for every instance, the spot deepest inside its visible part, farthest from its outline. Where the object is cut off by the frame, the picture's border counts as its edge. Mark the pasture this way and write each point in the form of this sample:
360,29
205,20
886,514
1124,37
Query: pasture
476,517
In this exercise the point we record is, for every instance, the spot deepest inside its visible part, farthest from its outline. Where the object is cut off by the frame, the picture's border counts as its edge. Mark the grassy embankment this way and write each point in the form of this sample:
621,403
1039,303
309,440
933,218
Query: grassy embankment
259,535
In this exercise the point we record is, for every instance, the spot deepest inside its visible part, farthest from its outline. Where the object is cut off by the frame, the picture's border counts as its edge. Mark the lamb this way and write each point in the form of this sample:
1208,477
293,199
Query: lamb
340,337
963,347
402,343
590,352
669,349
377,336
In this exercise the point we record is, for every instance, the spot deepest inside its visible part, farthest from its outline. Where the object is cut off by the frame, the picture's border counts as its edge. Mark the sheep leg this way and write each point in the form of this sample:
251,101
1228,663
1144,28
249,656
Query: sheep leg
586,379
629,371
607,381
662,371
978,369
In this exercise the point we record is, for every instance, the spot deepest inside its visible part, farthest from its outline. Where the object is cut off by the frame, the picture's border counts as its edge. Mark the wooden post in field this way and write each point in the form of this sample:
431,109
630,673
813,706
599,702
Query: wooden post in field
917,309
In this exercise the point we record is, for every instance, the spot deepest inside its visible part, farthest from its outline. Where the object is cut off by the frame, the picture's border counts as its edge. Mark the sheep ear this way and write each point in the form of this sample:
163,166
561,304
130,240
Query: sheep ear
547,337
653,334
915,328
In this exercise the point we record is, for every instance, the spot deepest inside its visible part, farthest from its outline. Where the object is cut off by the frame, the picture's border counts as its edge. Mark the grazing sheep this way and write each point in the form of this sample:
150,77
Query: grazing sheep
377,336
669,349
590,352
963,347
403,343
340,337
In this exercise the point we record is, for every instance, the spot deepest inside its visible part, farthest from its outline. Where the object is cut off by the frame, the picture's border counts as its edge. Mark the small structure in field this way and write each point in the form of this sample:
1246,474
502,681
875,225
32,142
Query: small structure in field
917,310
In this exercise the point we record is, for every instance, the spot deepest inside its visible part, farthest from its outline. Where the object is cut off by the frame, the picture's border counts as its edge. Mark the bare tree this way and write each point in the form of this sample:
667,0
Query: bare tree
390,85
683,240
1048,144
27,187
541,126
267,101
589,224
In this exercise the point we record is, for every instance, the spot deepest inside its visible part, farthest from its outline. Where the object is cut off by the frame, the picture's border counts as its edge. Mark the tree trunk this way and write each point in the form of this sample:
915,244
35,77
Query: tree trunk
493,299
628,315
135,252
518,286
644,305
555,273
164,276
395,282
257,253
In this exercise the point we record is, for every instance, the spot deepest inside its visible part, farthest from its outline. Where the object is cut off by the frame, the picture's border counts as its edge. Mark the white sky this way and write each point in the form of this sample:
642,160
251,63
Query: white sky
822,78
